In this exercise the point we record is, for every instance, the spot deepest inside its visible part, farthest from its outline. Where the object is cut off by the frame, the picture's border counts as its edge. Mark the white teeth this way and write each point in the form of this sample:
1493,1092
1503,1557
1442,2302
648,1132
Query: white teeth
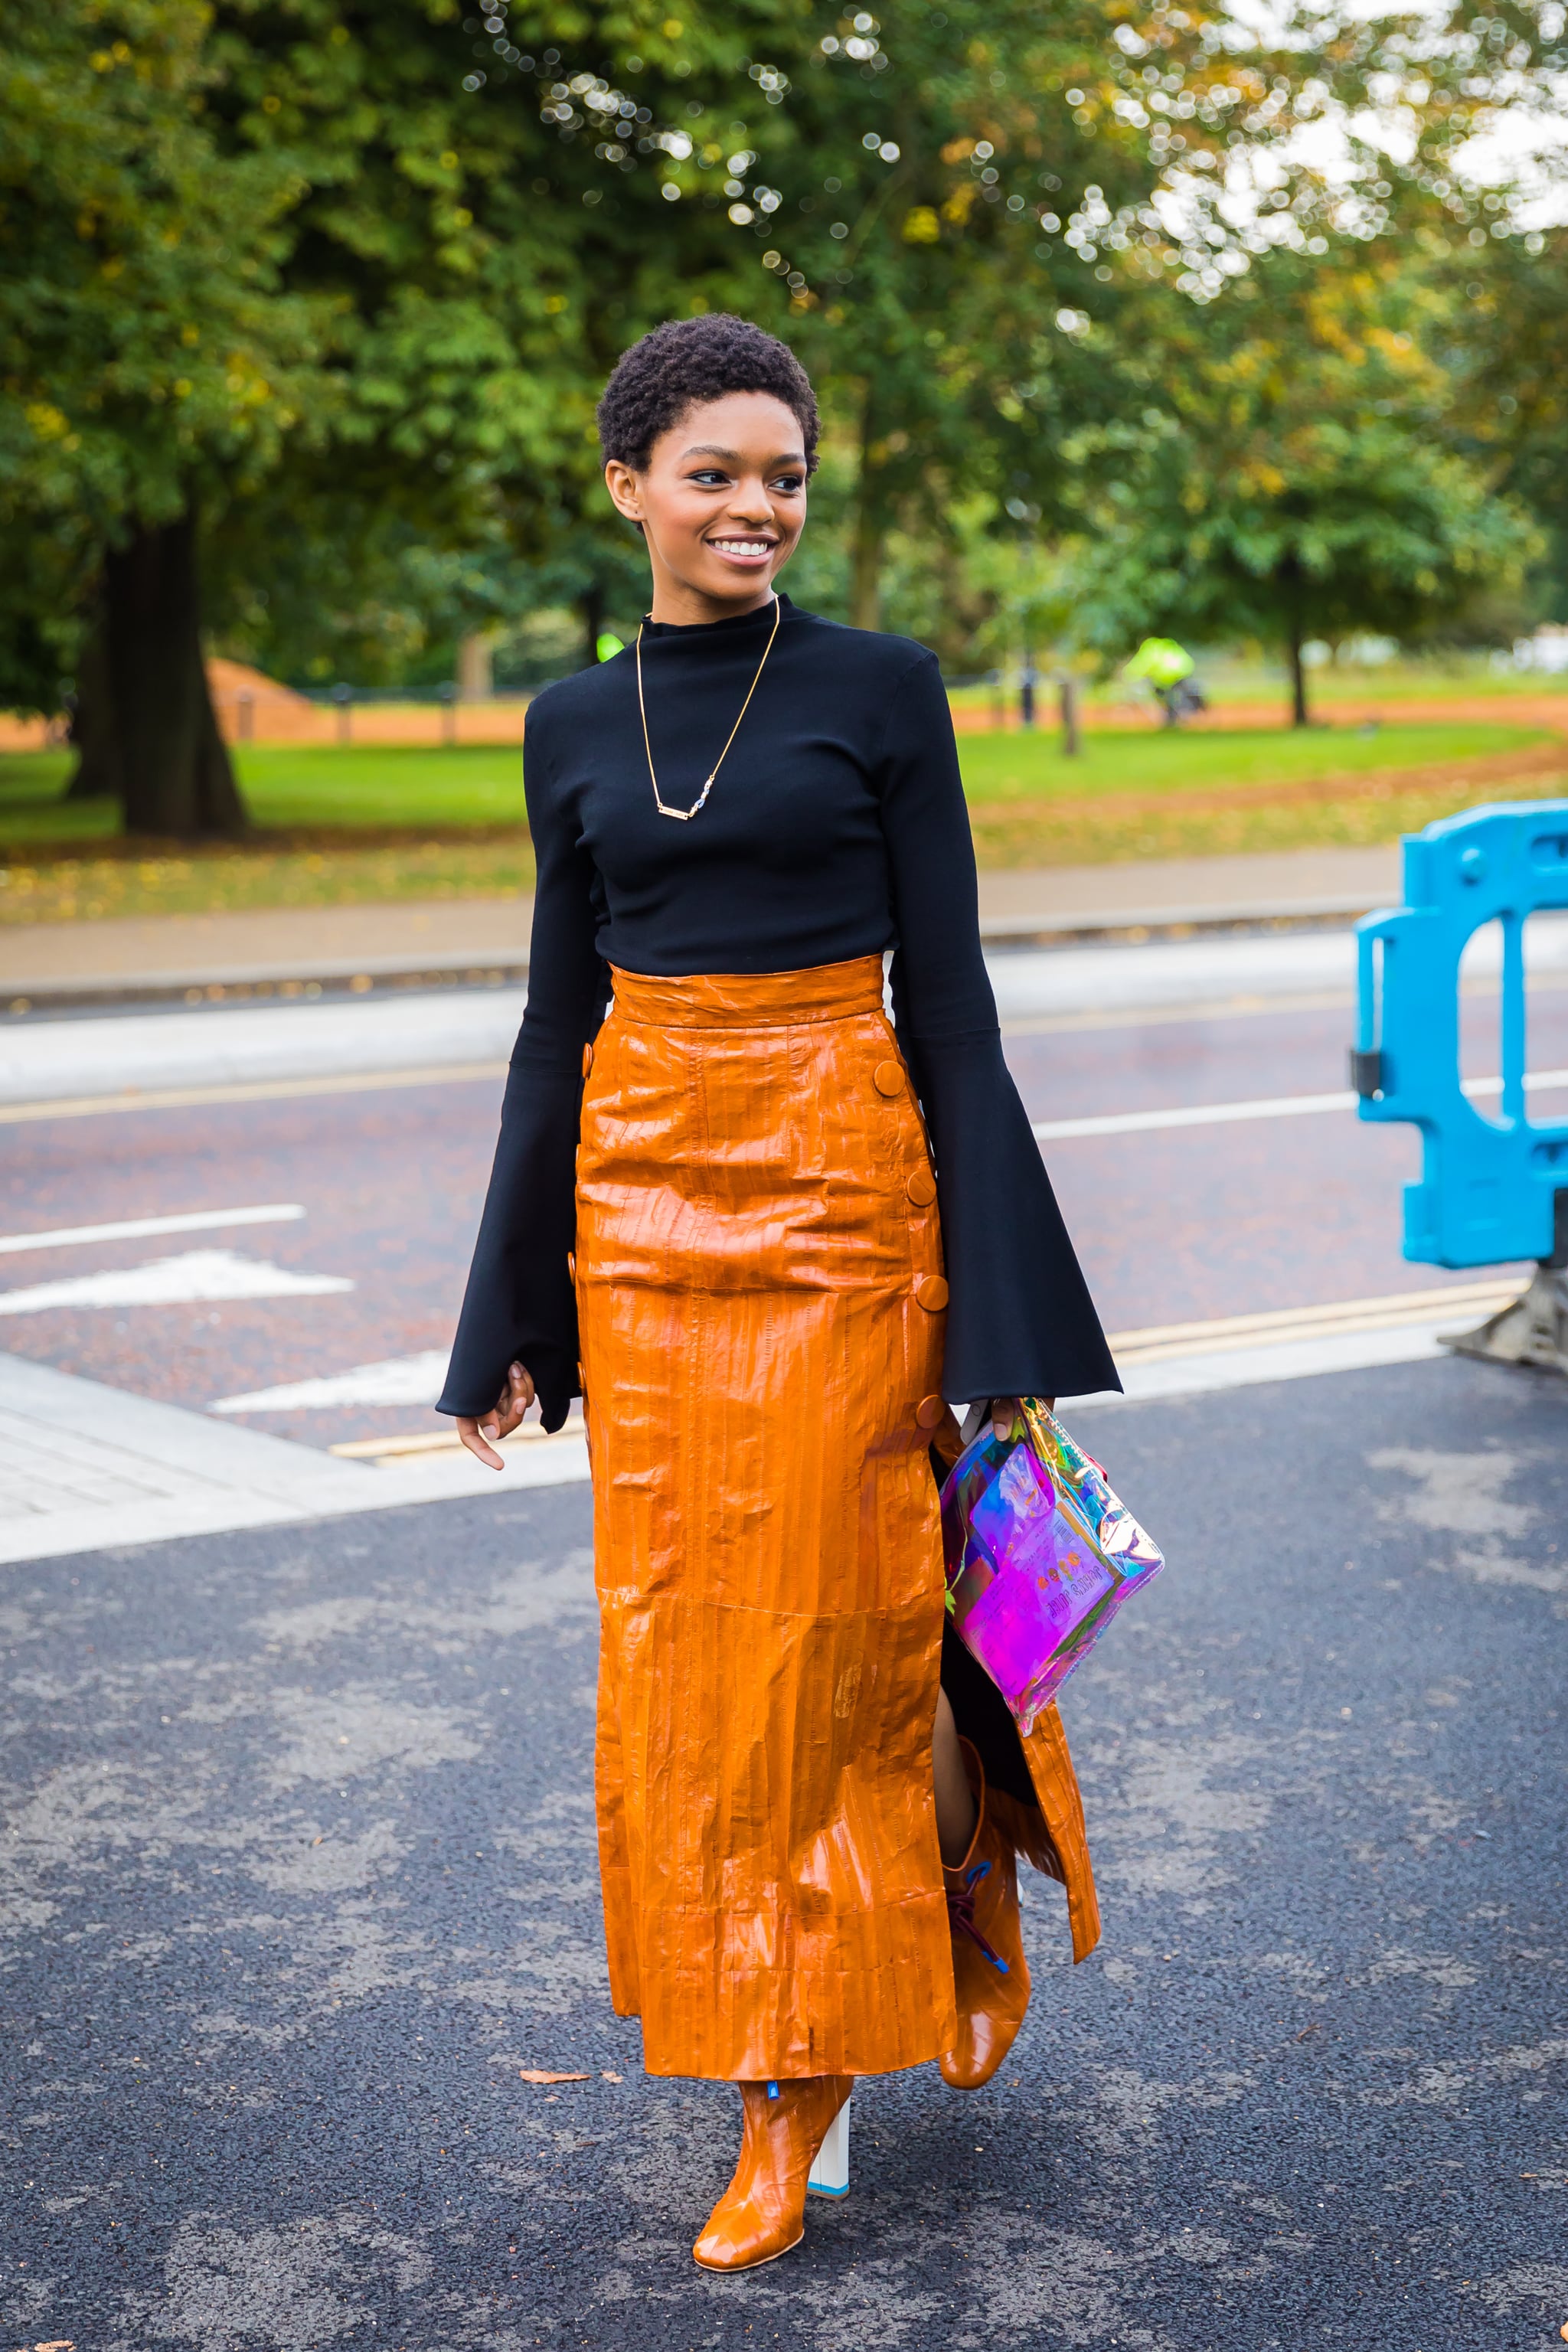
742,546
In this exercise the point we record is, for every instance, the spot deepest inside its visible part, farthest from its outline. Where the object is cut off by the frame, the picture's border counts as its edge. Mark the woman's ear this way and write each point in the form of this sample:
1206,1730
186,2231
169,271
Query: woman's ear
622,485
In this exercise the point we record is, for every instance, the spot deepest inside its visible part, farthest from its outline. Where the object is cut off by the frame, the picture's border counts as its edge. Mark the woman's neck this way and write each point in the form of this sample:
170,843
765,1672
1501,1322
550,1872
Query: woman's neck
678,605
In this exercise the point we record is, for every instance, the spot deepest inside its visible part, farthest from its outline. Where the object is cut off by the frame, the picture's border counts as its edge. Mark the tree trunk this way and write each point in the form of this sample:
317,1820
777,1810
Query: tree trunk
475,667
866,563
870,535
1298,713
592,603
177,778
98,774
1289,579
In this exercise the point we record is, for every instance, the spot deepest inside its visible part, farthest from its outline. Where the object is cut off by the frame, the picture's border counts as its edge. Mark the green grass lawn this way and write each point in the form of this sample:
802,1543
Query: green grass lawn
294,787
1016,766
366,823
306,788
1225,679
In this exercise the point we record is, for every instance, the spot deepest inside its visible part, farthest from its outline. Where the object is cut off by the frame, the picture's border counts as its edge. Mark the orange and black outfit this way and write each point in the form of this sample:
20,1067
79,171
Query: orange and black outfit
775,1231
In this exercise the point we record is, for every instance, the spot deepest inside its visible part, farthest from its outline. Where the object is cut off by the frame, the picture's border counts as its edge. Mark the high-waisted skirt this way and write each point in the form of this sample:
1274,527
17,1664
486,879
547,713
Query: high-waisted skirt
760,1292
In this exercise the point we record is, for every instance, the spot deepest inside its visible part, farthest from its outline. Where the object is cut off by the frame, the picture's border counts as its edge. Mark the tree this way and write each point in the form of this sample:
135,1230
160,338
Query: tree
296,295
939,195
280,281
144,344
1509,356
1301,478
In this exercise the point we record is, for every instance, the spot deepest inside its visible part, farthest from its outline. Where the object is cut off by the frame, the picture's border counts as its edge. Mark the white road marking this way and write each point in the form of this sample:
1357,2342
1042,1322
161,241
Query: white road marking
398,1379
1139,1122
134,1229
180,1281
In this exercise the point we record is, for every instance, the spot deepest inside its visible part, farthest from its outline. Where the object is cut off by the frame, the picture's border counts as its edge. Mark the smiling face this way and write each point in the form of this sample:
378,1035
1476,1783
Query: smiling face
721,502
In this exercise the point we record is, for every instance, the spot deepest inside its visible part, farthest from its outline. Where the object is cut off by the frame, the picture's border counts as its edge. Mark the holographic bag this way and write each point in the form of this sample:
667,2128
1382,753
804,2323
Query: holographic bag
1040,1555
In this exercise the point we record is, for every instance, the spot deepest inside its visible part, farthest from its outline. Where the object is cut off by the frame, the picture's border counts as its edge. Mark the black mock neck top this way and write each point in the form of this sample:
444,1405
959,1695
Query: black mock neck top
836,828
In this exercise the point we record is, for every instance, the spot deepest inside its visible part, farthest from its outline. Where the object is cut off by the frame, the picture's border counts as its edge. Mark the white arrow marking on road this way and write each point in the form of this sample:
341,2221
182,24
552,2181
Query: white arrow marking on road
135,1229
1137,1122
399,1380
173,1282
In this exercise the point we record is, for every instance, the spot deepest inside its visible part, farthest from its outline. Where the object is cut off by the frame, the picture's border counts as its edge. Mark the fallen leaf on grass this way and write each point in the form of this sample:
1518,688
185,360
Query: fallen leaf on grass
537,2074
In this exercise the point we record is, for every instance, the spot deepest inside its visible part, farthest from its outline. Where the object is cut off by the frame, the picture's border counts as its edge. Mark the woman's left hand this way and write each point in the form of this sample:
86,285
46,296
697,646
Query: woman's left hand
502,1418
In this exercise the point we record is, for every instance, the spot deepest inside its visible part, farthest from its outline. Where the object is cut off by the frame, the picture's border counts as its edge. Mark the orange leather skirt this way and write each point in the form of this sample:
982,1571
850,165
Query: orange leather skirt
760,1293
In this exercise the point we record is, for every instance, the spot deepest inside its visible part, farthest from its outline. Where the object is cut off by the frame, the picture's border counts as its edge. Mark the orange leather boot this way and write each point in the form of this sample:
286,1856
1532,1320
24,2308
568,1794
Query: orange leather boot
990,1974
761,2214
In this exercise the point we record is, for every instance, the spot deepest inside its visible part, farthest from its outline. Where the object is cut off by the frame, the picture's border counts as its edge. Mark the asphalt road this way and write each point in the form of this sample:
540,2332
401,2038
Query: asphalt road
302,1874
1173,1225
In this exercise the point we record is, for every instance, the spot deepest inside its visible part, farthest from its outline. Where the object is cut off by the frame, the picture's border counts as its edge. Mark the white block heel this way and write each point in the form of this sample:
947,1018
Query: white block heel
829,2176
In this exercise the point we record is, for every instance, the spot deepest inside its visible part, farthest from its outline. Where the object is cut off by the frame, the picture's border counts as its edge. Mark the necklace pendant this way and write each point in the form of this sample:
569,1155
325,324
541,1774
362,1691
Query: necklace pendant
685,815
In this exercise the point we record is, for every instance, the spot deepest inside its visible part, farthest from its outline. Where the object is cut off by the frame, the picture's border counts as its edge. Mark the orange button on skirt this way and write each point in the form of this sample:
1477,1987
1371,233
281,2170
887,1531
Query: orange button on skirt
760,1293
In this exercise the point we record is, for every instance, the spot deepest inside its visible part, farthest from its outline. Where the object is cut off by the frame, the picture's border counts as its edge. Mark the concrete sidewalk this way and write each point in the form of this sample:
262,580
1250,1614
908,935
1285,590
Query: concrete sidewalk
329,946
84,1467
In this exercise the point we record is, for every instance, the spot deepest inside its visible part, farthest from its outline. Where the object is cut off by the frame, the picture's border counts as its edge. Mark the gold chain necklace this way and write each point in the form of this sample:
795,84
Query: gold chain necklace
662,805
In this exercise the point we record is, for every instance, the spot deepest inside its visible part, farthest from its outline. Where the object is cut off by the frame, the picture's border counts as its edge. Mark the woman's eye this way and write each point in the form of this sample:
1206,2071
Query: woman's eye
708,478
788,482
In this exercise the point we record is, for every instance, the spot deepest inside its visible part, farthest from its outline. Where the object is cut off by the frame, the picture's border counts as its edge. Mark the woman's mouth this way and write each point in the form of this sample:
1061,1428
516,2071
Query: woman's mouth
744,550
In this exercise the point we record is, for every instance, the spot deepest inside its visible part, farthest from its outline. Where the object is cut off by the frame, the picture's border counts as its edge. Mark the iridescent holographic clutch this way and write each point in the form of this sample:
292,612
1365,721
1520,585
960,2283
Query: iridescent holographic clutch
1040,1555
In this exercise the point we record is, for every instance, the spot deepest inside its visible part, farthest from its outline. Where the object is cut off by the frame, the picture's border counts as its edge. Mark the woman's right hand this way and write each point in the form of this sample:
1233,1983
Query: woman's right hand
483,1435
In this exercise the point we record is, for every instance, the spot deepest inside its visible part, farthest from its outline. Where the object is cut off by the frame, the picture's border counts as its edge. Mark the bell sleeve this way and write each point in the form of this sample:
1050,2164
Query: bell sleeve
1020,1321
519,1306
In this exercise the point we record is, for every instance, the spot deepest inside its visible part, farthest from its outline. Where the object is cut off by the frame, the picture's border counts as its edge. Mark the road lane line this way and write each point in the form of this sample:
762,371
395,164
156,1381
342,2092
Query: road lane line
1392,1307
196,1276
1313,1355
396,1379
1139,1123
1189,1360
134,1229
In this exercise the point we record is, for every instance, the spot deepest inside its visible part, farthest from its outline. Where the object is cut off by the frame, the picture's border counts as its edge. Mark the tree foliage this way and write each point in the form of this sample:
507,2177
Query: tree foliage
145,341
1298,477
304,305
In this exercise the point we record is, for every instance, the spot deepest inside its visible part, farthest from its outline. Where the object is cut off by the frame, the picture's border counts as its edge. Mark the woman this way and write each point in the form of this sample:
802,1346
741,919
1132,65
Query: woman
715,1211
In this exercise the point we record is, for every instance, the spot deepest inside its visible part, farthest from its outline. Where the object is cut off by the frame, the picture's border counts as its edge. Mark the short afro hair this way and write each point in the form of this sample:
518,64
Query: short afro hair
687,361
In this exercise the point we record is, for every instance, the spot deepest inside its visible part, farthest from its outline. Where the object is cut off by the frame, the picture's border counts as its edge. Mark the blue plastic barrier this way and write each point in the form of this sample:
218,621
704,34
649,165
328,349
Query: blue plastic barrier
1494,1187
